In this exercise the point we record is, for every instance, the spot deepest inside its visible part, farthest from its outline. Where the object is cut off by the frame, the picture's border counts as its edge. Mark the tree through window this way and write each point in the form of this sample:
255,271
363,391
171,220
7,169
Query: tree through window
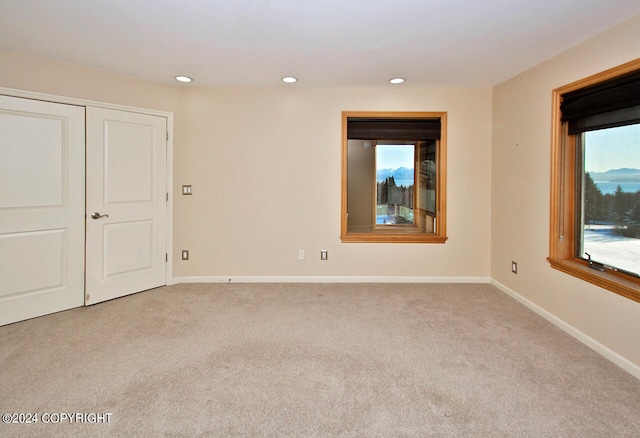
609,231
395,180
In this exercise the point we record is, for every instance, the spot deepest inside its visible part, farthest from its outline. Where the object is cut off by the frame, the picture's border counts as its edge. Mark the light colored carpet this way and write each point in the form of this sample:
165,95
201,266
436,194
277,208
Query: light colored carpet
352,360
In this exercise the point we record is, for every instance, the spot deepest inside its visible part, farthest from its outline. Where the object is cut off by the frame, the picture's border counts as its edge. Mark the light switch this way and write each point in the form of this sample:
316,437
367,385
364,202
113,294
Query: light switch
186,190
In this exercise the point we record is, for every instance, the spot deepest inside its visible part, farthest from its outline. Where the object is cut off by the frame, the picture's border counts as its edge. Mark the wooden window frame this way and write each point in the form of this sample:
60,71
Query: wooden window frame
395,234
563,214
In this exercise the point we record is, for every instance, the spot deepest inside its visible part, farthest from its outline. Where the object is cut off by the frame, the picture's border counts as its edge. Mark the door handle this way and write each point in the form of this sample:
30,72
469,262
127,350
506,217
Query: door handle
96,215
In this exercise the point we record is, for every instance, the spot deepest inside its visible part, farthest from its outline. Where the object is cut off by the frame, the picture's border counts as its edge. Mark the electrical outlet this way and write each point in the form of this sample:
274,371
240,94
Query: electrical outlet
301,254
185,254
514,267
324,254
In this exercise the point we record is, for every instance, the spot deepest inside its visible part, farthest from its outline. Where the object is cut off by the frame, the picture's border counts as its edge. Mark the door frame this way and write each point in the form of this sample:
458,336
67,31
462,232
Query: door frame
12,92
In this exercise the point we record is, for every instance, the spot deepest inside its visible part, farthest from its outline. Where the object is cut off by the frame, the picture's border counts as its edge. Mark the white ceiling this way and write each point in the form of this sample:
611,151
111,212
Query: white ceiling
324,43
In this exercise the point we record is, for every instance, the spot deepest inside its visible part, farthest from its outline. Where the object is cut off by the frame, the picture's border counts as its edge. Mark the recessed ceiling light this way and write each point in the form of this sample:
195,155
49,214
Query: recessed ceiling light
396,80
185,79
289,80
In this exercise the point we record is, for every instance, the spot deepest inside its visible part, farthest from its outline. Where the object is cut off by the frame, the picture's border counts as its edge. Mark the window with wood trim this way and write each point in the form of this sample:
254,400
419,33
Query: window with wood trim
393,177
595,180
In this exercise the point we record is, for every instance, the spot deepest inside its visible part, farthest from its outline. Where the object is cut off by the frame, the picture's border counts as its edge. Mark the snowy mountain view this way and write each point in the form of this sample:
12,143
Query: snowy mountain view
401,173
617,175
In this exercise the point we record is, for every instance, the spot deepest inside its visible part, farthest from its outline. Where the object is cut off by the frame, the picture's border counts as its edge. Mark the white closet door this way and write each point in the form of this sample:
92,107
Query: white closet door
126,203
42,191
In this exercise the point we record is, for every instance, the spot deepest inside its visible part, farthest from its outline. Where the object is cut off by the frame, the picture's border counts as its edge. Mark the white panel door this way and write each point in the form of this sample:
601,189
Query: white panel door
42,191
126,203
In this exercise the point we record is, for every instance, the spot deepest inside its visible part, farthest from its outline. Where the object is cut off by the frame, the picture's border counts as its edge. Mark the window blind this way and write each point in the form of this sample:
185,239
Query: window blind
611,103
393,129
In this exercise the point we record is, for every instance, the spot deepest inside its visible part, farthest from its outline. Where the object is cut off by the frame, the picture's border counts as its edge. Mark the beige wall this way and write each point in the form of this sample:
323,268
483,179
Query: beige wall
520,194
265,165
265,168
45,76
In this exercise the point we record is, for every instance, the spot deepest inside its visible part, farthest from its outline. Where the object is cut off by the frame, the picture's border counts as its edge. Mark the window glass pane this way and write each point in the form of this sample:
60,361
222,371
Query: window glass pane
394,184
610,226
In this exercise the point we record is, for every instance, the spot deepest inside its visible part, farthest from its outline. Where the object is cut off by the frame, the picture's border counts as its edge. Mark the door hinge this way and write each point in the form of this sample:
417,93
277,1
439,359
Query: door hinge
167,135
166,257
167,196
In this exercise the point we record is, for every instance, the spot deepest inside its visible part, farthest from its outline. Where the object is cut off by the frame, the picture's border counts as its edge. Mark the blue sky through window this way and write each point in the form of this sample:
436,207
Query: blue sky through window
394,156
612,148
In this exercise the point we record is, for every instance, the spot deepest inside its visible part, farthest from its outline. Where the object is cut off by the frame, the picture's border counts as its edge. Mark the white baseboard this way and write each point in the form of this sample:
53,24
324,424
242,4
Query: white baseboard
323,279
599,348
